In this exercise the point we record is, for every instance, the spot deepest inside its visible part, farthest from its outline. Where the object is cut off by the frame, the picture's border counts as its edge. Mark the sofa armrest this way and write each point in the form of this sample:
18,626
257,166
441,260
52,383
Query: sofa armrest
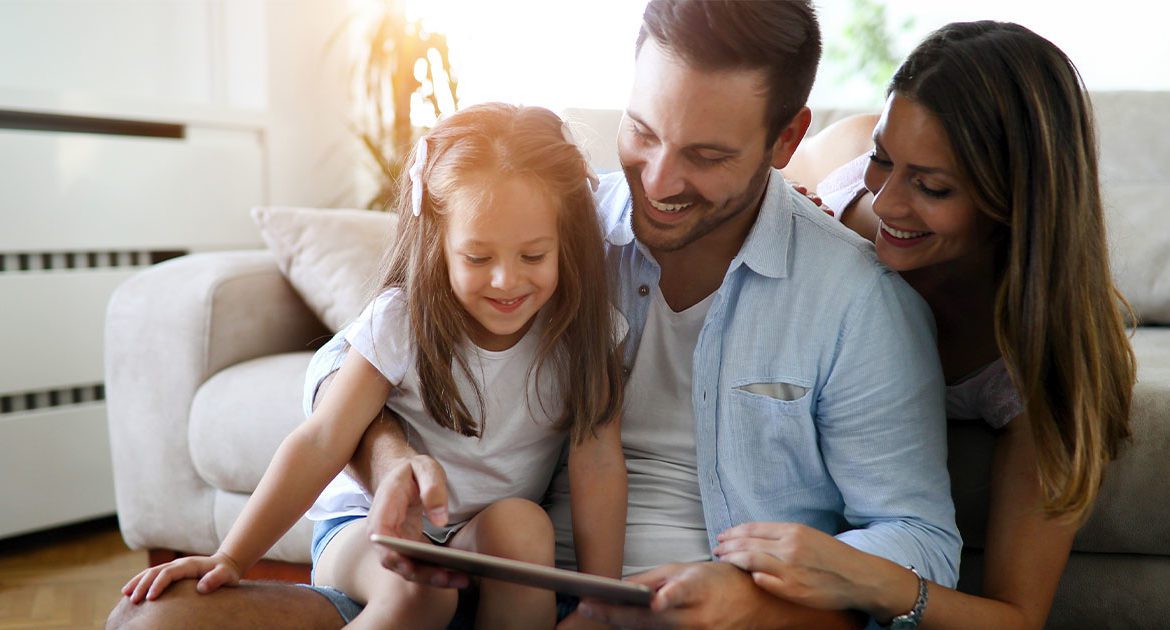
168,329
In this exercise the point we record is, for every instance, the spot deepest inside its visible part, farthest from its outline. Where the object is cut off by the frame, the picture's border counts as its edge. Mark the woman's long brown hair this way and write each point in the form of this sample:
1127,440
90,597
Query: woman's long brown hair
466,152
1020,124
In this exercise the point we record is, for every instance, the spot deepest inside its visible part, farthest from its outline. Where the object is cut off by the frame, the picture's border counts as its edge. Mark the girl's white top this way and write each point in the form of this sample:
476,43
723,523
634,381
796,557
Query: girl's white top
519,446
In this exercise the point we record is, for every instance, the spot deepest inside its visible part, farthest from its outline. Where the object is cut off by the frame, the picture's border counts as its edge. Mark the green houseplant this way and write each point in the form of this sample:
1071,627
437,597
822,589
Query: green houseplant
395,60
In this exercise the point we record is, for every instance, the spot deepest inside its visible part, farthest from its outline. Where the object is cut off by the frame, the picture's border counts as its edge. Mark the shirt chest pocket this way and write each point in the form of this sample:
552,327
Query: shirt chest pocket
768,446
785,392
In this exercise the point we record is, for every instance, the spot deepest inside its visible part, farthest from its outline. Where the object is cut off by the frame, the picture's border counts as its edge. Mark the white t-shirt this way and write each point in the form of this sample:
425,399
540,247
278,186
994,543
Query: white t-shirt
519,447
664,521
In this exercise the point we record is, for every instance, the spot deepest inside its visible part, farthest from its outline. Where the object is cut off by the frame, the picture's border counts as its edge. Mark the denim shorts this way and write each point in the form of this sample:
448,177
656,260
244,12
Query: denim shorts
464,619
323,532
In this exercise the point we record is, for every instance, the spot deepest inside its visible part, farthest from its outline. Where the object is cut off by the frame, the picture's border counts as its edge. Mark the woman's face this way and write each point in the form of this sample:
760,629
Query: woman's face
926,214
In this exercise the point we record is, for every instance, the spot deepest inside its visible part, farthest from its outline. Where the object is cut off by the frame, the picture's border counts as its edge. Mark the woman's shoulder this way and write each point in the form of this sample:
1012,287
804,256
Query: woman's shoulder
825,151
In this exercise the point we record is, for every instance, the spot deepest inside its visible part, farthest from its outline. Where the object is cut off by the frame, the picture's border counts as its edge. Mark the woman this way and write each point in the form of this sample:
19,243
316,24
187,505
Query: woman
982,191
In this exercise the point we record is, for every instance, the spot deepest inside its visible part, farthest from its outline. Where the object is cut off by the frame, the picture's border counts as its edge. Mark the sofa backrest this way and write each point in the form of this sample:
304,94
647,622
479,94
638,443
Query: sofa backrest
1134,139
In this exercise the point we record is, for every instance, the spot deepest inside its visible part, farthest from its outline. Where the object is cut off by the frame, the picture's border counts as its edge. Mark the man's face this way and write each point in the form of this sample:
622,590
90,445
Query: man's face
691,144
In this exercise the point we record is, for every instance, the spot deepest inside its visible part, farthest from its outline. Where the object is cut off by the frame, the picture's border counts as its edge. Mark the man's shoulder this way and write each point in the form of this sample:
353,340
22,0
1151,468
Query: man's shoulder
835,263
822,245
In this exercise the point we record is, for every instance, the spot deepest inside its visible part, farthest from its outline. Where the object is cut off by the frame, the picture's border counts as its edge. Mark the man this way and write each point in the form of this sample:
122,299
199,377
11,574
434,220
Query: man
776,371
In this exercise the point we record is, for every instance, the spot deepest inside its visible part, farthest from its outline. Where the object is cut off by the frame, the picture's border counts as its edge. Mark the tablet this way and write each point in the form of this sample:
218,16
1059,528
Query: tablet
526,573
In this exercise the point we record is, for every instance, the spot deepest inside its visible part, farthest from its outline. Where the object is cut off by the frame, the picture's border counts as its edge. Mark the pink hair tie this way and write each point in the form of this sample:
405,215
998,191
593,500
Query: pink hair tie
416,185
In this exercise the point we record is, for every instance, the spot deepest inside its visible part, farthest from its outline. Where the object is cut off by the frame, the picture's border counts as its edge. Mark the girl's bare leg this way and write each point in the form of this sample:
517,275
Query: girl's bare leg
349,563
518,529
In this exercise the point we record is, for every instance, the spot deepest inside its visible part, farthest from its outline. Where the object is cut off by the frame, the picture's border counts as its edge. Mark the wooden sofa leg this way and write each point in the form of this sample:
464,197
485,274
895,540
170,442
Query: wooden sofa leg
160,556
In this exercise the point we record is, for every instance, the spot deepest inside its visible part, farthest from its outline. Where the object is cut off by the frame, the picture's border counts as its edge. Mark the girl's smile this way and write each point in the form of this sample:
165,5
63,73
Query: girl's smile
502,254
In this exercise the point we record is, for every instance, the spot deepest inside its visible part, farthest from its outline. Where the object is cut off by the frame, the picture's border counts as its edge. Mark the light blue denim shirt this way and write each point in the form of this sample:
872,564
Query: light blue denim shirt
818,395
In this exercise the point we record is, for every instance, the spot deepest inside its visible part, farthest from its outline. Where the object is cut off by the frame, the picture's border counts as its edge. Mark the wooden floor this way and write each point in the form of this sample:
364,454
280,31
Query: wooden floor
64,578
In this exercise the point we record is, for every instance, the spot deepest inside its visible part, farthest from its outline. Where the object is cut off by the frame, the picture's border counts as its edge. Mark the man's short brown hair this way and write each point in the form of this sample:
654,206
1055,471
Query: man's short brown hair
780,37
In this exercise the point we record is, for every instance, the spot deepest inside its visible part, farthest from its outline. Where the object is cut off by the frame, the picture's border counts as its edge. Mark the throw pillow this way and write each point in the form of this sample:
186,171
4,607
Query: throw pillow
329,256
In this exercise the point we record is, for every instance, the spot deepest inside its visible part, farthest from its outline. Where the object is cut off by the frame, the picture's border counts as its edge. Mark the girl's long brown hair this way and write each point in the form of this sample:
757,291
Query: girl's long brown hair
1020,124
467,152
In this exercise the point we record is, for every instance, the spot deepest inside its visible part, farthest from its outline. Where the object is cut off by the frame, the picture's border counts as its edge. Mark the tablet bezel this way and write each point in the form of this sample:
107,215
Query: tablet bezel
527,573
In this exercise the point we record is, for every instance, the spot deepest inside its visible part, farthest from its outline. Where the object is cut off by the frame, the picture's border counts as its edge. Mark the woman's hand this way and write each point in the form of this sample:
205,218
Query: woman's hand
213,572
710,595
798,563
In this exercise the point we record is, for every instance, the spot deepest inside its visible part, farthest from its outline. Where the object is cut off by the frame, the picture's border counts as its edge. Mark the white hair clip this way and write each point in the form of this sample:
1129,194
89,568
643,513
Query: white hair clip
416,185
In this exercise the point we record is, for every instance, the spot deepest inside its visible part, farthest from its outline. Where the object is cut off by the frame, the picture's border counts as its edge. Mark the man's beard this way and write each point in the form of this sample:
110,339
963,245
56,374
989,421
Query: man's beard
711,219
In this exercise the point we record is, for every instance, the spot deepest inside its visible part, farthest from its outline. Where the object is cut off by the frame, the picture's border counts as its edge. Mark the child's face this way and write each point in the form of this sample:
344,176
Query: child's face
502,259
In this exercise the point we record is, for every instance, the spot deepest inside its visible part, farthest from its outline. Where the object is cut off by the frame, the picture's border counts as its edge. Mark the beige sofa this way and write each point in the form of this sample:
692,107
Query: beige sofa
206,356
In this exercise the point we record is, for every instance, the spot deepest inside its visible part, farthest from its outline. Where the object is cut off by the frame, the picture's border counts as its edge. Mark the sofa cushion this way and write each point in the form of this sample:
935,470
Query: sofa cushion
240,415
1134,495
1135,186
329,256
1134,485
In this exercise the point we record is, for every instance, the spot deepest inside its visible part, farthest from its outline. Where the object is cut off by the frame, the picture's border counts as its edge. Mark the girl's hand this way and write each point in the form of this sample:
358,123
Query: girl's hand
797,563
214,572
414,486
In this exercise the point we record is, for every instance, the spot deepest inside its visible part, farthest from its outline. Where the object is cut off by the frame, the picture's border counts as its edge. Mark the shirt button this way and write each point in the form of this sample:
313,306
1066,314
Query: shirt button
643,290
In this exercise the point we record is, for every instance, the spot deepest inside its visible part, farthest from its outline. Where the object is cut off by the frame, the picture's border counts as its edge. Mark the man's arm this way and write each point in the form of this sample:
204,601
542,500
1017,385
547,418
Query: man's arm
882,426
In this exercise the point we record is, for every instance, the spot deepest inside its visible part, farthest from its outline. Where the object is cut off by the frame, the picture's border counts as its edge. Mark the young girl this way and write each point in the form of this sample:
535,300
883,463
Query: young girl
492,336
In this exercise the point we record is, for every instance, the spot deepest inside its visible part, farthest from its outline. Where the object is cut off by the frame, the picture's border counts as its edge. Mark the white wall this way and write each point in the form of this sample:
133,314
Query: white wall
261,64
580,54
262,102
314,156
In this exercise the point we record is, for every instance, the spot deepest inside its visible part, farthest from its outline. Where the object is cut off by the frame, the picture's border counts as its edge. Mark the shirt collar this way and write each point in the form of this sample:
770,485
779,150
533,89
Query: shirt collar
615,200
765,250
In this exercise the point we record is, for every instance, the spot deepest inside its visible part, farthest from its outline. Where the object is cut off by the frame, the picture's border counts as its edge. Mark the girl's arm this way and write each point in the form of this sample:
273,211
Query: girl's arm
1025,555
597,487
306,461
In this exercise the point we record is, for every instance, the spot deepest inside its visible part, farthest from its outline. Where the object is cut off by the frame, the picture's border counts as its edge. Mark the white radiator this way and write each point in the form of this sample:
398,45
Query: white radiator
84,203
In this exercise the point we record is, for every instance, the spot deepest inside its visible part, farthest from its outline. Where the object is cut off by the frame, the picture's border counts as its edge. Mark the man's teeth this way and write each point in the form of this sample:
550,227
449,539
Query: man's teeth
896,233
669,207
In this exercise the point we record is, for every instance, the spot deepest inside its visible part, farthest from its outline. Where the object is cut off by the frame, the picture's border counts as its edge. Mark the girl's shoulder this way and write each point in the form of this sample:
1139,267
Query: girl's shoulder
382,334
391,299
